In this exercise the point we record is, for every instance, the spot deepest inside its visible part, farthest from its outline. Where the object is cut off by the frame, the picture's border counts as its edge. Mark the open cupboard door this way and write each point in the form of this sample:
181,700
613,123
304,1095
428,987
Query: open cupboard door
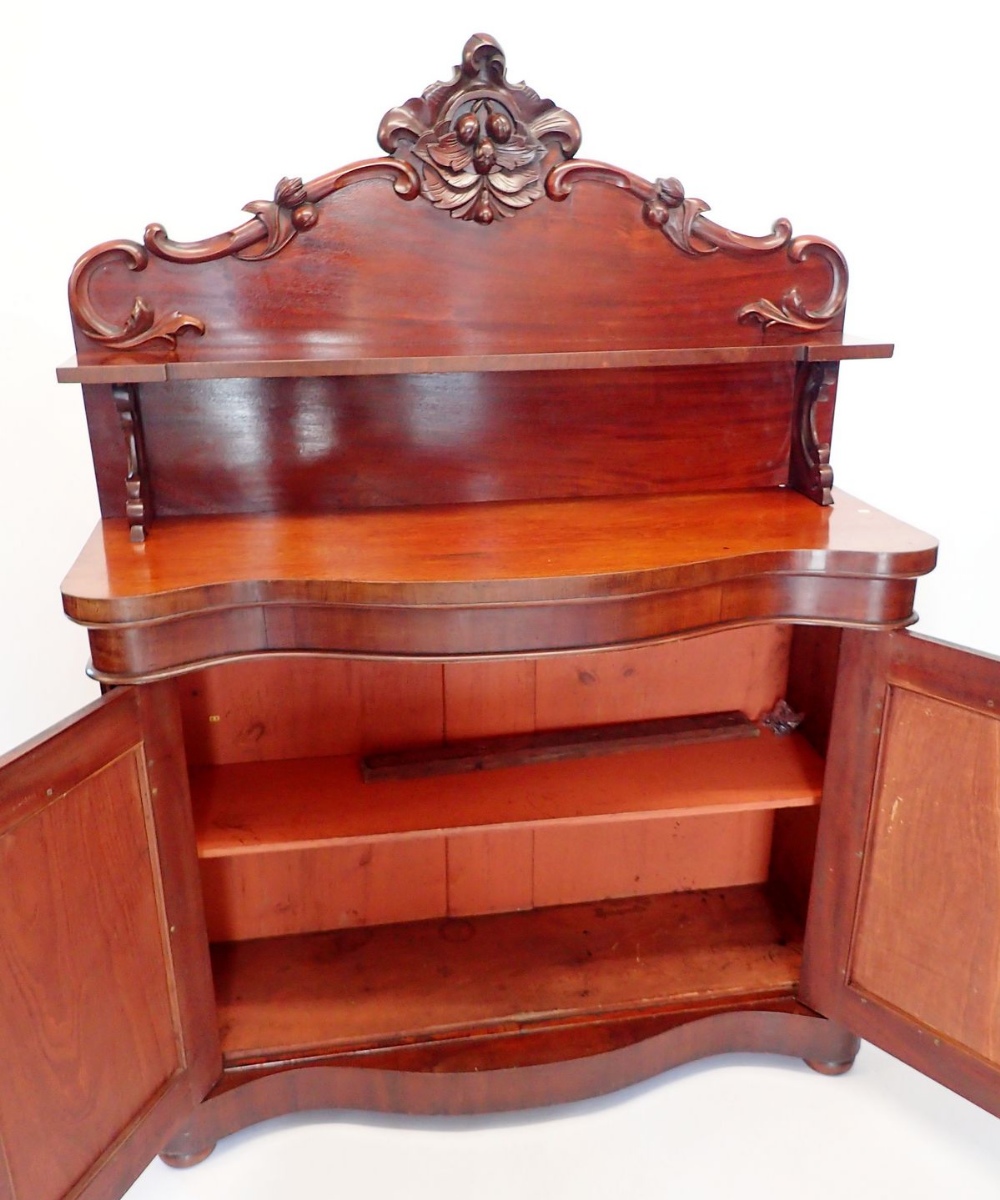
903,937
107,1031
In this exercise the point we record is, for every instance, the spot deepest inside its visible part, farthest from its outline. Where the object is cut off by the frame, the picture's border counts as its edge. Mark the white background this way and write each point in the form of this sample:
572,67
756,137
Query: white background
872,124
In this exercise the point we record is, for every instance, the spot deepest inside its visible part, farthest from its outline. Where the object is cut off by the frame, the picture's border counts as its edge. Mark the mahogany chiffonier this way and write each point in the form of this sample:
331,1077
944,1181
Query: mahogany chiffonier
501,706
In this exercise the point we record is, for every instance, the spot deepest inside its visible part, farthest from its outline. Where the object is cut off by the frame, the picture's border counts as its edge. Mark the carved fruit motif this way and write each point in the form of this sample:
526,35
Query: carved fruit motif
480,168
479,141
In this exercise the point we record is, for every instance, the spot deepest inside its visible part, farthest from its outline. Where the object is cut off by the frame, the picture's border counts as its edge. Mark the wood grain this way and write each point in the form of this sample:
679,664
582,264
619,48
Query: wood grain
486,579
320,445
250,807
96,925
275,708
306,845
399,984
901,944
591,741
517,1069
301,706
933,950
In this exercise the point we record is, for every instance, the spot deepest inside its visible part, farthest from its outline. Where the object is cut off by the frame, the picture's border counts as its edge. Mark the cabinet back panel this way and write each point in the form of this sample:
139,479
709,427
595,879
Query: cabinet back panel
380,277
315,444
476,871
296,707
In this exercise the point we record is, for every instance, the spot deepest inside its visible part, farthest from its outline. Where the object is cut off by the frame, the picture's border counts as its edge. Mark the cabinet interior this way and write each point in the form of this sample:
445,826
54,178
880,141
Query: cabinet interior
621,889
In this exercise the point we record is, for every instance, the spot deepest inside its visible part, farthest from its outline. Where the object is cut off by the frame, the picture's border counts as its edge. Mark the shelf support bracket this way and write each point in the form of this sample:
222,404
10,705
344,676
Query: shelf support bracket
137,507
809,470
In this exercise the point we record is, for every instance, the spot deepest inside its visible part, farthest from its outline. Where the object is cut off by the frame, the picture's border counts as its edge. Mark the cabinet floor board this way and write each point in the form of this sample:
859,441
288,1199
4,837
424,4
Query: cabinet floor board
290,997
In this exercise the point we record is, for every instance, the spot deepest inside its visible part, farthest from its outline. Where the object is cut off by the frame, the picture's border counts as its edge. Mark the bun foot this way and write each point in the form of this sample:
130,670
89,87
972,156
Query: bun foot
192,1159
829,1068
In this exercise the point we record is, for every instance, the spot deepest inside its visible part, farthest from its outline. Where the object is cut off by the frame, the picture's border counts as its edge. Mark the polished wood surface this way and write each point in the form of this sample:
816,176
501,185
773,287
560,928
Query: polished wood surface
903,941
108,1039
322,445
273,360
479,554
487,579
489,425
514,1069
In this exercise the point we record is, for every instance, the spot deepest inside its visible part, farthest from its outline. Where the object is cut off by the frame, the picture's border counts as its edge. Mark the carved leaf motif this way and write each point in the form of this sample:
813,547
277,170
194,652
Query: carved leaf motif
515,182
449,152
479,119
141,325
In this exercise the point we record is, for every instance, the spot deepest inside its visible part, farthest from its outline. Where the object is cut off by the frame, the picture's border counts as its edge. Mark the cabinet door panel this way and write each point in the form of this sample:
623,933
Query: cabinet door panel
105,1033
903,938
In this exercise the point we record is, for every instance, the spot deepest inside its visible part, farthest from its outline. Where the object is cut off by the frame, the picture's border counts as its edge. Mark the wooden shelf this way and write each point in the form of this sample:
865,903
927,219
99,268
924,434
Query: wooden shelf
253,808
284,998
313,358
298,846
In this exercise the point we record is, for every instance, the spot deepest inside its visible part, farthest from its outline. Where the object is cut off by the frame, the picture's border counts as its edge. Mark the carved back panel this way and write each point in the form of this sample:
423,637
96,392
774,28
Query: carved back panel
478,233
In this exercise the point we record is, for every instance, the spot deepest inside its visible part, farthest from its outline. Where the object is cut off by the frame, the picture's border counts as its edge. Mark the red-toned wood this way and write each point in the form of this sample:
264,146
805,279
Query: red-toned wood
514,1071
659,854
491,870
489,697
108,1034
311,362
301,845
487,578
302,706
297,707
288,998
248,806
903,942
407,269
743,669
321,445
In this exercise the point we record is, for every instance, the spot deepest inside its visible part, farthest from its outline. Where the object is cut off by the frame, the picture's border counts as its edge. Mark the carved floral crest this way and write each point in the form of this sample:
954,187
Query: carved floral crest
480,148
478,141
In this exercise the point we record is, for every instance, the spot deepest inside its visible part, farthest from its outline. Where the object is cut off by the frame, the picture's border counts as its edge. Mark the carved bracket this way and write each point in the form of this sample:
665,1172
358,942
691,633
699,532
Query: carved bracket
809,469
478,141
137,508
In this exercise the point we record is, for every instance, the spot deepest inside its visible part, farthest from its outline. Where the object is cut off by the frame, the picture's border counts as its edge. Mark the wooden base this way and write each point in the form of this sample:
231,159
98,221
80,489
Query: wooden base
830,1068
513,1071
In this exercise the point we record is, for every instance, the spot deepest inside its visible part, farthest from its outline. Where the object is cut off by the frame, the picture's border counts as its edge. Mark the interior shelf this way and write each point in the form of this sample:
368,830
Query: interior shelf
252,808
302,845
395,985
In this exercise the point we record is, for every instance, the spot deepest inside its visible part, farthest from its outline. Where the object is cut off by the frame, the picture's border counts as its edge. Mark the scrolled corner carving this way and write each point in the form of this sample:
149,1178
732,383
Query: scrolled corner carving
682,220
274,222
142,325
793,311
478,141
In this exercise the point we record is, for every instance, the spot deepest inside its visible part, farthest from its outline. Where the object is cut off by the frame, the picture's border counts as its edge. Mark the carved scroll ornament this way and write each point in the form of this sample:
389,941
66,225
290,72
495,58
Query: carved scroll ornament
479,148
274,223
681,219
478,141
